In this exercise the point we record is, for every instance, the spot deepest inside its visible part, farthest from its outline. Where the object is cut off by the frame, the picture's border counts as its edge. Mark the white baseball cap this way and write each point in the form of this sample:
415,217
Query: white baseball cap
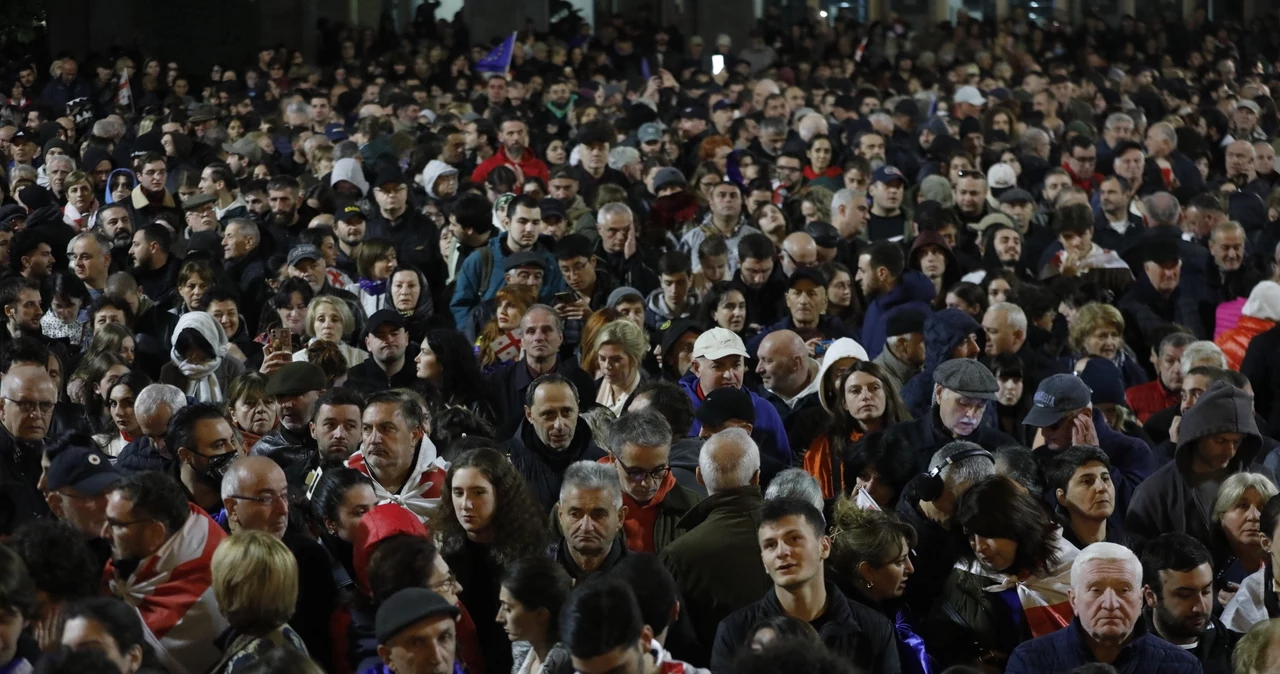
970,95
1001,176
717,343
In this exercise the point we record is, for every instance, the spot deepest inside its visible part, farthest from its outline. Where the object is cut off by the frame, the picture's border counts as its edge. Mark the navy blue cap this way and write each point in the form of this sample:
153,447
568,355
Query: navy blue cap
84,469
886,174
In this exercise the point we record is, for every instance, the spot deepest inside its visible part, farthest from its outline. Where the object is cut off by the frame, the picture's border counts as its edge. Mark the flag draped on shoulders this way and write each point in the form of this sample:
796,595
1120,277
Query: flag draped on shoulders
1043,598
421,492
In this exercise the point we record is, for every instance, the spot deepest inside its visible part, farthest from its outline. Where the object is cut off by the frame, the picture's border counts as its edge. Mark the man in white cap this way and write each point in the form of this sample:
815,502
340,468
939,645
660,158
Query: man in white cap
969,102
719,361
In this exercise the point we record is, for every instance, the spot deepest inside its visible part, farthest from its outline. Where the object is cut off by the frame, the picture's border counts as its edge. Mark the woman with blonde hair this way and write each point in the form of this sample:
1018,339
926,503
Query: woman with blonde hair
1097,330
590,328
499,341
619,349
329,319
255,581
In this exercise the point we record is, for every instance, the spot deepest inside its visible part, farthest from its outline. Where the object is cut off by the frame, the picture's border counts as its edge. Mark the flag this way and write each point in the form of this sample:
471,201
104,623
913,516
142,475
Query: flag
124,93
644,69
1043,598
498,60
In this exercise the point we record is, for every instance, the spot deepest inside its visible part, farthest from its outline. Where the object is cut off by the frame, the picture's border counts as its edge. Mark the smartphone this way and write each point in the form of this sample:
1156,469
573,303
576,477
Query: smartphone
566,297
717,64
281,340
822,347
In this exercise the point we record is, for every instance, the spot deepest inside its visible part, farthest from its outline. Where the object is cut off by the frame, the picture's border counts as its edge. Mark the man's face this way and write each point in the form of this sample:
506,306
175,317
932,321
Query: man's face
1002,336
806,301
386,438
789,170
454,149
154,176
614,232
1107,599
387,343
622,660
296,410
960,414
642,470
336,430
564,189
1129,165
971,195
579,273
284,206
1228,249
522,230
872,147
776,106
726,201
1053,185
1077,244
497,90
675,289
1245,118
553,416
311,271
772,141
350,232
595,156
1163,277
1170,366
273,515
25,312
391,198
1090,493
723,372
792,551
1114,200
1184,606
130,536
428,646
1008,245
1240,157
1264,160
1216,451
89,261
58,172
515,136
887,196
589,519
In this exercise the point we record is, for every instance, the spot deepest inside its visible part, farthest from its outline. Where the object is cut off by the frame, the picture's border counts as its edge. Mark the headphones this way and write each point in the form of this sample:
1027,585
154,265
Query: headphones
930,485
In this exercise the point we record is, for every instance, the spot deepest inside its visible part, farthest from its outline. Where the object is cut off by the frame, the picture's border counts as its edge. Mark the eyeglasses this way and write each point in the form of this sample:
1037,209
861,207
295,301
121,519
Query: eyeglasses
265,499
640,474
446,586
31,406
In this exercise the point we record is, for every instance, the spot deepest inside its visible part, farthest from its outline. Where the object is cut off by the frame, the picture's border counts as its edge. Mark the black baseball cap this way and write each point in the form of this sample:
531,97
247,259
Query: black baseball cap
84,469
1162,250
726,404
693,112
807,274
349,212
672,330
409,606
382,317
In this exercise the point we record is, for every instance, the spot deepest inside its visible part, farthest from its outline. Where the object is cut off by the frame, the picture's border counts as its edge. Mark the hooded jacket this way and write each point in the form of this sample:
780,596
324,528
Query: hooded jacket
435,170
952,273
651,526
349,169
1168,501
943,332
472,290
913,291
133,182
542,467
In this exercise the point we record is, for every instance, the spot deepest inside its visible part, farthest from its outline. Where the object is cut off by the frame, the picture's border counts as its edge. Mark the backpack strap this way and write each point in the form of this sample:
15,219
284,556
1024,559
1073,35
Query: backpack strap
486,269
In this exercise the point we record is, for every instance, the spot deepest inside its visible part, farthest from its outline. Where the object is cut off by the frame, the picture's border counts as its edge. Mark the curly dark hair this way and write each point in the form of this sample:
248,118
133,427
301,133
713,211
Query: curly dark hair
58,559
998,507
519,528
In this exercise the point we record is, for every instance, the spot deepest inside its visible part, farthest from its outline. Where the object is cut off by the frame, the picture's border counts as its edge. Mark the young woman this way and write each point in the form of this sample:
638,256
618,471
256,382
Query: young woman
449,374
341,496
489,520
113,627
499,341
92,379
329,319
869,403
198,362
120,397
529,601
287,309
822,167
115,339
725,306
842,301
375,261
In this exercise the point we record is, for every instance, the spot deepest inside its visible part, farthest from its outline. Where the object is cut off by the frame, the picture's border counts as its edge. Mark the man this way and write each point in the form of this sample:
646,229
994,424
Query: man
575,258
153,408
719,362
148,514
1118,128
31,255
1005,325
887,219
1105,596
968,102
541,336
151,198
396,454
389,366
1079,160
806,302
27,397
889,288
202,441
1020,206
962,388
1165,391
417,633
725,218
674,299
618,250
515,151
971,198
1232,277
850,215
289,214
606,632
640,449
762,278
904,352
66,87
78,478
793,547
1178,580
1163,154
336,425
216,180
1080,480
415,236
350,229
722,526
1117,226
197,210
590,514
20,301
294,387
551,435
1157,299
154,267
243,257
91,260
789,374
594,141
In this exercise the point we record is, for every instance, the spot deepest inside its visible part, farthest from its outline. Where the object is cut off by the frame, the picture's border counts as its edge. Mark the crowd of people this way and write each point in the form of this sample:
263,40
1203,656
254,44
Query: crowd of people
856,348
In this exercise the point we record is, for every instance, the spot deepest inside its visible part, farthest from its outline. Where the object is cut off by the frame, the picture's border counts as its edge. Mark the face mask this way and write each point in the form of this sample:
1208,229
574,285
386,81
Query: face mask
217,467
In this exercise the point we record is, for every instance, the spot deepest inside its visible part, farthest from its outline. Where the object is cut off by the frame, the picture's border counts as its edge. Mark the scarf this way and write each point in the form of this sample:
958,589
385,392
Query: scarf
420,494
201,382
374,288
560,112
1043,598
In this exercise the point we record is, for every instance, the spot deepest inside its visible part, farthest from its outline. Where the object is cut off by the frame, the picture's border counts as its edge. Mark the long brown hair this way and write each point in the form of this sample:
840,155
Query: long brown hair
518,527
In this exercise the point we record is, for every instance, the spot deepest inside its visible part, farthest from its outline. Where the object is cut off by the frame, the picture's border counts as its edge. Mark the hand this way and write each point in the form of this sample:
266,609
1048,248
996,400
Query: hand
1070,264
1083,431
652,88
1226,593
275,361
48,628
668,80
629,248
573,310
1173,430
812,346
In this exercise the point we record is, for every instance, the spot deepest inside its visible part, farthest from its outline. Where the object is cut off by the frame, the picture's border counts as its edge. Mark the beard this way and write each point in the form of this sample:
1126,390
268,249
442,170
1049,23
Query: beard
283,219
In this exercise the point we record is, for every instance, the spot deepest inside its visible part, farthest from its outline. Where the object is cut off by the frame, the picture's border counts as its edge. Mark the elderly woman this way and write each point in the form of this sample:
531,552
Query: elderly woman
1015,558
411,296
1237,519
253,413
375,261
1260,313
619,349
198,360
255,581
869,402
1098,330
1256,600
329,319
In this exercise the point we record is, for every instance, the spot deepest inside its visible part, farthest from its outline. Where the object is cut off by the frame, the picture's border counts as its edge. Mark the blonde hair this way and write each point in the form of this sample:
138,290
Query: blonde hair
590,330
1089,318
344,312
255,581
625,334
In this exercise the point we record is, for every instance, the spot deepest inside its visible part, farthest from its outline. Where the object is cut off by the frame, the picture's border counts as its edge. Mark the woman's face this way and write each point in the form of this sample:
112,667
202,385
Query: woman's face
428,366
81,196
809,211
153,68
358,500
474,500
294,316
519,623
772,223
998,291
840,290
820,155
109,378
127,349
615,364
731,313
1001,122
954,302
555,153
870,481
405,290
328,324
120,405
120,188
1243,522
864,397
193,290
67,309
1105,341
890,581
235,129
383,266
995,553
261,172
258,416
1010,391
509,315
748,168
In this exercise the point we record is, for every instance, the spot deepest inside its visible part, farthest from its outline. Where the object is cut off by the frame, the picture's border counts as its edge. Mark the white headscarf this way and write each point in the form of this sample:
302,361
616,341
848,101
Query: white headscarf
201,382
1264,302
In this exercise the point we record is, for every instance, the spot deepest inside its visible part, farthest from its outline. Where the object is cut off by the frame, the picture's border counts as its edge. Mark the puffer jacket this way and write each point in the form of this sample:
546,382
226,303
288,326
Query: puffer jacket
1235,342
943,331
914,291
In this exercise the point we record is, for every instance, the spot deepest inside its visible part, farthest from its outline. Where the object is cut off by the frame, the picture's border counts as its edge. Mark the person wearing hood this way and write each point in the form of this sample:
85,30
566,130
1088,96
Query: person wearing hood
198,361
948,334
440,180
890,288
412,297
932,256
347,180
675,298
551,437
1217,438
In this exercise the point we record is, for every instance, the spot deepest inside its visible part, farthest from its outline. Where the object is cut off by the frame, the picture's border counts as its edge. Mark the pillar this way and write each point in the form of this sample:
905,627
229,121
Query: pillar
941,10
875,10
1002,9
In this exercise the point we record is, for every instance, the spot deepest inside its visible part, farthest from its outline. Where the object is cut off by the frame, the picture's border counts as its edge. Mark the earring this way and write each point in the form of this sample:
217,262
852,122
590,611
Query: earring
869,584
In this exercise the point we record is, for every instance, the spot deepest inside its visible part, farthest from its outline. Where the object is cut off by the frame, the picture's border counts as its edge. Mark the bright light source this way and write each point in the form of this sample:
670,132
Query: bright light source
844,4
823,14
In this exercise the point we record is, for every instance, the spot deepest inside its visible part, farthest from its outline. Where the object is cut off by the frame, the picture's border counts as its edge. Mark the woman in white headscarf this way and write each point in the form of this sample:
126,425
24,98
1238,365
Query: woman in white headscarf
1260,313
197,362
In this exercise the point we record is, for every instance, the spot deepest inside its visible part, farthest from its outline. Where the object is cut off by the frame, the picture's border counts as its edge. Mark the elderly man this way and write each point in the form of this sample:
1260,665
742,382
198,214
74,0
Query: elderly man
27,398
719,362
1005,325
806,302
153,408
904,352
77,481
550,436
962,388
1106,597
1163,154
90,254
722,526
294,387
640,450
1165,390
395,453
148,514
790,378
590,514
1157,299
619,252
417,633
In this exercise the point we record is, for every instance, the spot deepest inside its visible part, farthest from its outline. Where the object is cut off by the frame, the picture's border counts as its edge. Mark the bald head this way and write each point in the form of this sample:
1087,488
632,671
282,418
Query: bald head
729,459
782,363
29,387
798,250
255,494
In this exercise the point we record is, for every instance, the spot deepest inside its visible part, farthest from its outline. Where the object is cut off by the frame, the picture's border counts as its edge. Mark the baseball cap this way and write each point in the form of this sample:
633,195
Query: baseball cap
1249,105
667,177
388,173
1001,176
649,132
723,104
672,330
970,95
726,404
524,259
967,377
693,112
1162,250
1016,195
335,132
1056,396
84,469
22,136
907,107
409,606
886,174
382,317
823,234
302,252
807,274
349,212
296,378
717,343
551,207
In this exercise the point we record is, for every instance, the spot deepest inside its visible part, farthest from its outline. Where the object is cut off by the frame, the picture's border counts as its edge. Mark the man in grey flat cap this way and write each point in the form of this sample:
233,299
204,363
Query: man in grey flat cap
962,388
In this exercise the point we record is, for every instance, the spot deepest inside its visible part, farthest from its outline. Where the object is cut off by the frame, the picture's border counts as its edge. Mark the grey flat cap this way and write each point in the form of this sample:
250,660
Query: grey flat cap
967,377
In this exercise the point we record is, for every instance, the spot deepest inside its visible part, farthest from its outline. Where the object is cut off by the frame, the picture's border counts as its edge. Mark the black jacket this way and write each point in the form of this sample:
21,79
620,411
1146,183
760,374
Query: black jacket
20,497
296,453
927,436
1262,366
417,242
853,631
161,285
1214,649
636,271
510,383
542,467
934,553
140,455
367,377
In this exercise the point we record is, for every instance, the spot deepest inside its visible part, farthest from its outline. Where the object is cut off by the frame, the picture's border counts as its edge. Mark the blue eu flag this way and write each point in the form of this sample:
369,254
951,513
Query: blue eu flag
498,60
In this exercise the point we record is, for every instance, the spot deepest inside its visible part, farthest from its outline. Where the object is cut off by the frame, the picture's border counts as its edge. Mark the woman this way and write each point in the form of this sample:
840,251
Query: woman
1098,330
1013,399
1237,518
194,280
1257,599
115,339
198,362
969,298
590,330
619,350
705,178
489,520
725,306
822,167
447,367
1260,313
287,309
815,206
499,341
255,582
555,154
253,413
340,497
113,627
82,206
871,557
120,397
375,260
880,466
770,220
1013,556
869,403
62,321
411,296
120,185
329,319
529,601
89,385
842,301
716,149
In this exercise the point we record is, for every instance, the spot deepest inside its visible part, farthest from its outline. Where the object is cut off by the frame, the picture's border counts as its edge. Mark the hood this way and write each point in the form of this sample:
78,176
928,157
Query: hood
94,156
1264,302
658,304
1222,409
426,306
951,274
943,331
434,170
840,349
381,522
207,327
349,169
133,182
938,126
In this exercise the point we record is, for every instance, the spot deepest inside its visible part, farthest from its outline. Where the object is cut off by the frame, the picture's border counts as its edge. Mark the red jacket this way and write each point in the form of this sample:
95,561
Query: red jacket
1087,183
1149,398
1236,340
529,166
